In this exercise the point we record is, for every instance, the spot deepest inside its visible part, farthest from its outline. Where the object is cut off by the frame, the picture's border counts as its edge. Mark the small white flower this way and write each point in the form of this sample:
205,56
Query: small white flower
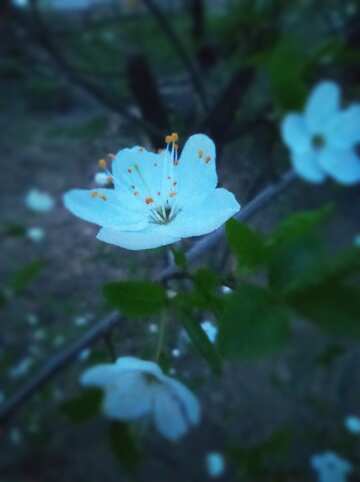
102,179
36,234
215,464
81,320
153,328
323,139
136,388
330,467
39,201
157,198
226,290
210,329
21,368
352,423
176,353
357,240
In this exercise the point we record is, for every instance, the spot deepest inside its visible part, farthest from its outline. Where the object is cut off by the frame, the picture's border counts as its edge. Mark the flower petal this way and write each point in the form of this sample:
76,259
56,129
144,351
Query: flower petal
102,207
187,399
148,238
324,102
129,398
196,171
295,134
99,375
342,165
207,216
169,418
130,363
344,129
306,164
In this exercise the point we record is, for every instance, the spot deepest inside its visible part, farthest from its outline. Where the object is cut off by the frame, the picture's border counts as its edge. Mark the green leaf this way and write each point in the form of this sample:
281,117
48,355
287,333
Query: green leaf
248,245
202,344
22,278
84,407
334,307
286,67
136,298
205,295
179,258
253,324
123,446
13,230
299,225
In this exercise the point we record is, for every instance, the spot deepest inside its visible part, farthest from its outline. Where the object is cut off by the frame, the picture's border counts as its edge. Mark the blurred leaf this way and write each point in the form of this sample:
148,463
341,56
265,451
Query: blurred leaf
248,246
13,230
179,258
253,324
202,344
334,307
22,278
205,296
286,65
84,407
123,446
299,225
329,354
136,298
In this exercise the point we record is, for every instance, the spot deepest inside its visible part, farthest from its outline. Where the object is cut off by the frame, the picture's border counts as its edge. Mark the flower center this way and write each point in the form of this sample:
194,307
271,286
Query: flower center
318,141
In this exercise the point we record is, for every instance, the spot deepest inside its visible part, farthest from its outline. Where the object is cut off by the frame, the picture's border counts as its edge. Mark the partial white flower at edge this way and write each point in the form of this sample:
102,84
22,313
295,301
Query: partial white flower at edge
210,329
158,198
352,424
330,467
135,388
39,201
322,140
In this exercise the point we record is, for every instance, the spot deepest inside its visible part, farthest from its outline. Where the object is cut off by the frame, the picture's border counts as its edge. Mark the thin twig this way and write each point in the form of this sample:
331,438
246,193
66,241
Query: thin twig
179,49
102,327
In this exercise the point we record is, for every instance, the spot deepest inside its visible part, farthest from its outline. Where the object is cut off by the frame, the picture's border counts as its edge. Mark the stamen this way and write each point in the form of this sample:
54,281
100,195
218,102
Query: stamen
172,194
103,197
207,159
149,200
102,163
94,194
200,153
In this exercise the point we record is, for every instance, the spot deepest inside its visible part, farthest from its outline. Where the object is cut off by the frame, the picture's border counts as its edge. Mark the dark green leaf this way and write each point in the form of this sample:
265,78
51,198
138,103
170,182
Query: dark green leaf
123,446
14,230
179,258
248,245
136,298
253,324
205,295
22,278
84,407
334,307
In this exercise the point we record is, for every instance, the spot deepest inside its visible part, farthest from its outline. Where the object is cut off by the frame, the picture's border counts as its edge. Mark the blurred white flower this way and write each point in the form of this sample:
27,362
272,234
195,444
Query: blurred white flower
210,329
226,290
352,423
36,234
158,198
215,464
102,179
39,334
153,328
323,139
136,388
357,240
81,320
330,467
39,201
32,319
21,368
176,353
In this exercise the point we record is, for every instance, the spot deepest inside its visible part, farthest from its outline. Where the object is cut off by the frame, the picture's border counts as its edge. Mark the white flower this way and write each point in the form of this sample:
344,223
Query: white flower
210,329
36,234
153,328
323,139
176,353
135,388
352,423
215,464
157,198
330,467
39,201
102,179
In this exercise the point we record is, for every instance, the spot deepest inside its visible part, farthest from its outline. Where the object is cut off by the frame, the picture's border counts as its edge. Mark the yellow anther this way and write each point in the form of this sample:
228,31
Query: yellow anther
175,136
168,139
103,197
172,138
200,153
102,164
149,200
94,194
172,194
207,159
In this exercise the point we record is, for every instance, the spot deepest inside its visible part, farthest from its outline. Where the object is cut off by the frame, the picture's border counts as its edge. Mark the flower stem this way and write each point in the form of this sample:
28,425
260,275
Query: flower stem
161,338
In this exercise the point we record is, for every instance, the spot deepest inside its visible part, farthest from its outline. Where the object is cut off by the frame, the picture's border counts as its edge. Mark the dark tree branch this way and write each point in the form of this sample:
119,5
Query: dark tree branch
179,49
42,36
103,327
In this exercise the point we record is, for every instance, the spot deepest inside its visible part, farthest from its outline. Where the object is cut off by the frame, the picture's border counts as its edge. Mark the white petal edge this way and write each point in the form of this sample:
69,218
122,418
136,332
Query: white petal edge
343,131
151,237
187,399
168,416
342,165
322,105
99,375
295,133
307,166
